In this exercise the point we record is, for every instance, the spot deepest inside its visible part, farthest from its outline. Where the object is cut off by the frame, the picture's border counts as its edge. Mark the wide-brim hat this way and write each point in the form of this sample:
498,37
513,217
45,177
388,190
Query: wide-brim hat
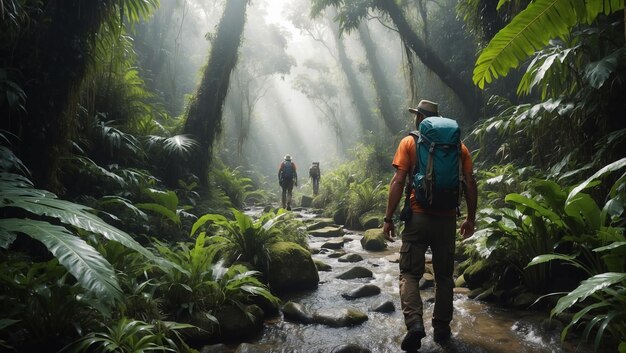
426,107
288,157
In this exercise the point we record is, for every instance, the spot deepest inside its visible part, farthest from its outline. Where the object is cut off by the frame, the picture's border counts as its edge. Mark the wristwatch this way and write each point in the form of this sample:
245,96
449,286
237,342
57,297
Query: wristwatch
387,220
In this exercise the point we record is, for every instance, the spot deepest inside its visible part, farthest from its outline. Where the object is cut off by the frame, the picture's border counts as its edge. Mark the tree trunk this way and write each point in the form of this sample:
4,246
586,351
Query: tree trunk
465,91
383,92
51,55
362,106
204,117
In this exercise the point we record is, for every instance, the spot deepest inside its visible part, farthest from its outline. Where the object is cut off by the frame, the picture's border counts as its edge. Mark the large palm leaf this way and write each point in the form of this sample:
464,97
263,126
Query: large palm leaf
18,192
92,271
532,29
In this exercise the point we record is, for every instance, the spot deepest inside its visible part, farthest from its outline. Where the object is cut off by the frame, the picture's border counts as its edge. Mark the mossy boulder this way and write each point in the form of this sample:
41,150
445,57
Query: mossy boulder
319,223
476,274
371,220
340,216
327,232
340,318
322,266
306,201
356,272
374,240
291,267
236,325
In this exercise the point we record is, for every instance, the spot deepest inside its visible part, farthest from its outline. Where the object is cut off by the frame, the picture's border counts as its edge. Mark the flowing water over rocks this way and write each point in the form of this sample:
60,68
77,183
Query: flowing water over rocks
477,326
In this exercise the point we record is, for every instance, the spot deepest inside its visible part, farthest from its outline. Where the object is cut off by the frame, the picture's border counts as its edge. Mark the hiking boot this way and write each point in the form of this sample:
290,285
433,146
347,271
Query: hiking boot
413,339
441,334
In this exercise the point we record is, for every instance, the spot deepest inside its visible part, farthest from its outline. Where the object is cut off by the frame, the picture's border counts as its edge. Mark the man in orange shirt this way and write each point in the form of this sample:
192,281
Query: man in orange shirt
436,229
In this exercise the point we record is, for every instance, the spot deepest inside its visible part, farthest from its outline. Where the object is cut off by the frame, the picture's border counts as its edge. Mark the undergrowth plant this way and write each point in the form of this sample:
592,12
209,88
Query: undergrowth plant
548,229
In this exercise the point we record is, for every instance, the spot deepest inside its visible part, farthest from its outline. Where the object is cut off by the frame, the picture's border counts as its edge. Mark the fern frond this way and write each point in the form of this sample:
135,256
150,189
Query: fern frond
532,29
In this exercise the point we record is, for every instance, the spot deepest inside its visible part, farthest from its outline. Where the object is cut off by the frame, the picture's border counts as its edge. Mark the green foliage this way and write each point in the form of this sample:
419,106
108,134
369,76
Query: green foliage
41,300
134,336
198,281
165,204
245,240
356,187
530,30
234,185
365,197
81,260
547,228
91,270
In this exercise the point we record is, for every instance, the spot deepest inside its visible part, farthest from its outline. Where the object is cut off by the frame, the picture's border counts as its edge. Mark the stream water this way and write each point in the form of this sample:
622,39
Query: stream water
476,327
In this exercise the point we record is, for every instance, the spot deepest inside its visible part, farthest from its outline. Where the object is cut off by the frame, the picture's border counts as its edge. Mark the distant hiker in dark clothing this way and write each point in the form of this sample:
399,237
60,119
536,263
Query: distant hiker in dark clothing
315,175
439,168
287,178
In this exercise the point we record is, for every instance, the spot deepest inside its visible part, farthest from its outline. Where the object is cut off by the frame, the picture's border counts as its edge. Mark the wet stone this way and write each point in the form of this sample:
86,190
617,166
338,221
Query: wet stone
356,272
319,223
327,232
350,258
461,290
250,348
322,266
395,258
297,312
340,318
336,254
214,348
384,307
427,281
367,290
333,244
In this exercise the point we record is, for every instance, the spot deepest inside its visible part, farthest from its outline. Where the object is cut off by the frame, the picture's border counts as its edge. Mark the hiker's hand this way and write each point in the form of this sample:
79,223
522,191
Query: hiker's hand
467,229
389,231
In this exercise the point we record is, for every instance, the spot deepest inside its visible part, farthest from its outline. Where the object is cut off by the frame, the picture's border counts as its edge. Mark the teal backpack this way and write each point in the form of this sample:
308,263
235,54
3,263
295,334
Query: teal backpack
287,171
437,177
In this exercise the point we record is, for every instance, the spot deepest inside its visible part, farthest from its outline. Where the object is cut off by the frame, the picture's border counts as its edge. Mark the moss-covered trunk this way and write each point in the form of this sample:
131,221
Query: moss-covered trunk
383,93
204,117
48,57
465,91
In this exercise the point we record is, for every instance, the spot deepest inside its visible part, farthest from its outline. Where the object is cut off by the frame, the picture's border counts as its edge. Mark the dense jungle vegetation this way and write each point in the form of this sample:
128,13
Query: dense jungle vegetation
134,134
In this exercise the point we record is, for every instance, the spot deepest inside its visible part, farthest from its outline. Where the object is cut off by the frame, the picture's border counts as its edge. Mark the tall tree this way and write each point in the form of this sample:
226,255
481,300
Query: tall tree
47,49
204,116
351,15
383,93
318,31
263,56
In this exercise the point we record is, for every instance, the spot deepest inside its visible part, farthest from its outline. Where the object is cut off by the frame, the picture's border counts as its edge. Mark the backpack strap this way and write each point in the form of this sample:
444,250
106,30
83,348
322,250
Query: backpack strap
461,179
415,169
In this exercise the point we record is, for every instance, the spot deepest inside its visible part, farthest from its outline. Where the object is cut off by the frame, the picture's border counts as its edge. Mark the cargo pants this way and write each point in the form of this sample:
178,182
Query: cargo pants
420,232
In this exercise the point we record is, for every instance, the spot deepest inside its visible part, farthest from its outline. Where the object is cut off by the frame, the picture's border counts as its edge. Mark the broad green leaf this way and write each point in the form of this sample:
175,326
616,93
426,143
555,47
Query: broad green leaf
107,200
91,270
549,257
17,192
6,238
4,323
587,288
162,210
582,205
619,164
167,198
596,73
534,205
532,29
611,246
